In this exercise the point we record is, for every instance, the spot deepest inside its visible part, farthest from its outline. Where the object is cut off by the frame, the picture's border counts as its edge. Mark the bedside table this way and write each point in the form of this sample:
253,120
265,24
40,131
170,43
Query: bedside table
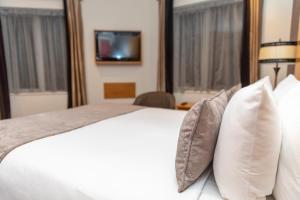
184,106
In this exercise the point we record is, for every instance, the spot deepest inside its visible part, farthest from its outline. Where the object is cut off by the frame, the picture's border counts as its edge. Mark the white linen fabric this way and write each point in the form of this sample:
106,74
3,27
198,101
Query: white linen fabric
288,177
129,157
247,151
211,192
285,86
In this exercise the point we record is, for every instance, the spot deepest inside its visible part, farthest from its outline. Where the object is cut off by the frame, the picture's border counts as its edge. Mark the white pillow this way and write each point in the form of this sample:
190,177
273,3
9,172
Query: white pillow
284,86
288,177
247,151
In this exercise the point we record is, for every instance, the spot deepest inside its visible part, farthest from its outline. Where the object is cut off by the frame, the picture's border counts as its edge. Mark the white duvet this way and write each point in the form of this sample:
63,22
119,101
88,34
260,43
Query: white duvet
130,157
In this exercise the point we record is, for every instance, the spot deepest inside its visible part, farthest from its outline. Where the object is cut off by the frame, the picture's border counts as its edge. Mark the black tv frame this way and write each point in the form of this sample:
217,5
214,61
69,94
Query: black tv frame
117,62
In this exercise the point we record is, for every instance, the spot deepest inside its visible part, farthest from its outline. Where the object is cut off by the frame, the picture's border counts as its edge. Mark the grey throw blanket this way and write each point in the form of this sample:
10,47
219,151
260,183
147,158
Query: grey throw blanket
19,131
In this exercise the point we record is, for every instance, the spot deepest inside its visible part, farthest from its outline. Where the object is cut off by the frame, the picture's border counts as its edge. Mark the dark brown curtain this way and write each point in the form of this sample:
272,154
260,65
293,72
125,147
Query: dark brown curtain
294,31
169,45
4,91
76,70
251,41
161,79
165,61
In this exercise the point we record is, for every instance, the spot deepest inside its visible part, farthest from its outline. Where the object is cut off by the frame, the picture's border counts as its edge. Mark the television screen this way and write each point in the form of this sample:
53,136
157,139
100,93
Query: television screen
118,47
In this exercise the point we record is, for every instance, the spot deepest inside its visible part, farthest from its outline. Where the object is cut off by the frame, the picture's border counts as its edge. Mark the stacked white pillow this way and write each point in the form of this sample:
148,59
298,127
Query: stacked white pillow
288,177
248,147
284,87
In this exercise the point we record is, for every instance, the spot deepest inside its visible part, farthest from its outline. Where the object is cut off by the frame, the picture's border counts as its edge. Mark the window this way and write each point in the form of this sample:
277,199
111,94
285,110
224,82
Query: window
207,45
35,49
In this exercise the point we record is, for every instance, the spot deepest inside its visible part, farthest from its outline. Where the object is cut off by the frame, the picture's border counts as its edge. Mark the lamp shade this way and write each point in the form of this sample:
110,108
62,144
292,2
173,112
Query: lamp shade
278,52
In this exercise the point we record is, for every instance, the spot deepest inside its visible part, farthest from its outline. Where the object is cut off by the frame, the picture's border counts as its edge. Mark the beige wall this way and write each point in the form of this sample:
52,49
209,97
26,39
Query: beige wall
139,15
54,4
31,103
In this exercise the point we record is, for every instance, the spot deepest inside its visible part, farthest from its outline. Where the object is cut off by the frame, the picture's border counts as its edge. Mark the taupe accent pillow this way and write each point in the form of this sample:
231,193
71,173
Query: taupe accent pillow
197,139
233,90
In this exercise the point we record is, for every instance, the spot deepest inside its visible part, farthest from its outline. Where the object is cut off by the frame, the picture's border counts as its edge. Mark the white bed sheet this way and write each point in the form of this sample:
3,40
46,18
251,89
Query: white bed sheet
211,192
130,157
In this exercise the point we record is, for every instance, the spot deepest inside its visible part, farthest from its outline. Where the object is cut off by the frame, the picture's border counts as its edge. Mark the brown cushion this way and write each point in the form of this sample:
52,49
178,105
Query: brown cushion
233,90
156,99
197,139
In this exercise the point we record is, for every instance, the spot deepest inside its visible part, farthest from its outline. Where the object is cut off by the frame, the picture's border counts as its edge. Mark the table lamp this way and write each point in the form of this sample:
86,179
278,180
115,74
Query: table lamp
278,52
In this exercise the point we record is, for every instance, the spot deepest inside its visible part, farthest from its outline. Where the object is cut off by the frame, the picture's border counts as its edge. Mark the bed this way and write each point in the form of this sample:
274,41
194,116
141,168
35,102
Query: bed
128,156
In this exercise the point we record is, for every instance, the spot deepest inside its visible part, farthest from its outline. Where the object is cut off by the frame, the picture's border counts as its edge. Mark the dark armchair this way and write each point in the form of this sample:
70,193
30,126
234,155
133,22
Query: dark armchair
156,99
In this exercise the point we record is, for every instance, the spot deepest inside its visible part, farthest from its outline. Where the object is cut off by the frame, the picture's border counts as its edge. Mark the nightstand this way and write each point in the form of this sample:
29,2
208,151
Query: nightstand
184,106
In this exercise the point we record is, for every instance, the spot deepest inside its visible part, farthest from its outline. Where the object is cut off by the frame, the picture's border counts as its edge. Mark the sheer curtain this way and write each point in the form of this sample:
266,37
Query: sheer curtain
35,49
165,60
54,54
19,52
207,45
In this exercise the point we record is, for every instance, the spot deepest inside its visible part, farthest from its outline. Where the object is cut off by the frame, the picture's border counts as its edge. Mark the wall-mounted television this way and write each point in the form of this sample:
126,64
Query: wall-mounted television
118,47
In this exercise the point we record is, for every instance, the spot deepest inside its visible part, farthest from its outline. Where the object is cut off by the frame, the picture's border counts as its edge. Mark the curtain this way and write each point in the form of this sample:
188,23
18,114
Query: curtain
161,82
251,41
35,49
245,62
165,63
54,56
169,46
297,67
18,35
294,36
77,85
255,37
207,45
4,91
